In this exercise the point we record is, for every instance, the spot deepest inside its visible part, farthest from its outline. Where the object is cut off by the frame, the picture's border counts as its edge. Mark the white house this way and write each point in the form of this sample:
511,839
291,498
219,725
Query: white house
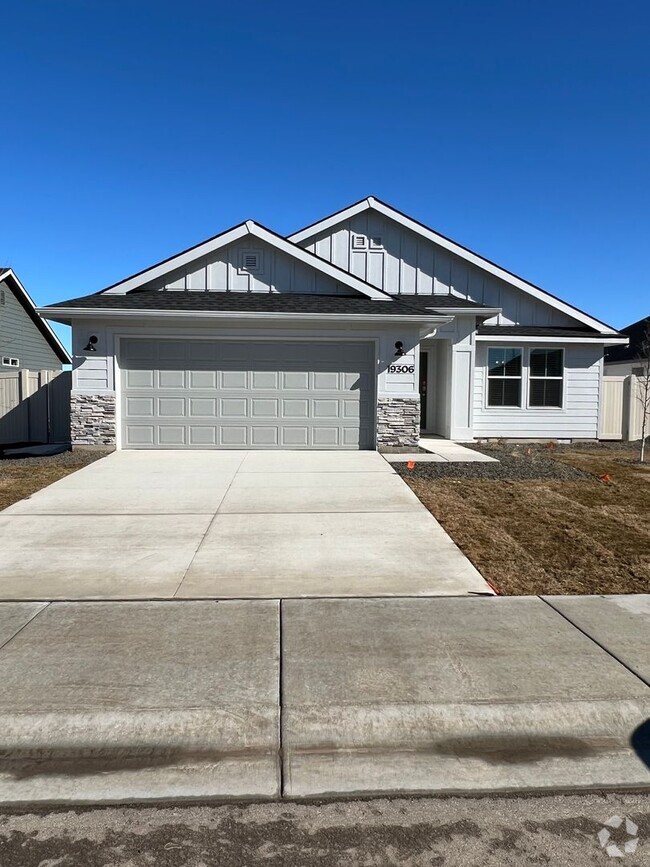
360,331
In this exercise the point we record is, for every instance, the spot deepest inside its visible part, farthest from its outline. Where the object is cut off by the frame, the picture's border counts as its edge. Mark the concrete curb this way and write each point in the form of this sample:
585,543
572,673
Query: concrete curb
465,748
138,755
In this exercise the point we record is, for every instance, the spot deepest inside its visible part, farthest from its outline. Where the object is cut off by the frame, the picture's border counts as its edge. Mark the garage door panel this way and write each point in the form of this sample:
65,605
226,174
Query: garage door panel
233,408
202,379
173,435
204,394
233,379
295,437
203,436
171,407
171,379
203,407
139,378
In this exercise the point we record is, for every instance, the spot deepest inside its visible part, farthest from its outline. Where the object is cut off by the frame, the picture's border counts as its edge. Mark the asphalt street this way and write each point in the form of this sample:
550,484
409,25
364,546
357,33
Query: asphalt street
425,832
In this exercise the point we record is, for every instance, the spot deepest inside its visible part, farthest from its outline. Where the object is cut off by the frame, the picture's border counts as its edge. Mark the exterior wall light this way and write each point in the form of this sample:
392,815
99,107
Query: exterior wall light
90,346
399,348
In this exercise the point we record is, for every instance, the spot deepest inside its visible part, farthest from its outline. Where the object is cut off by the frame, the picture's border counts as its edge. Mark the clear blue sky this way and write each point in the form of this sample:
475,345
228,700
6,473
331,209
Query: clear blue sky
132,130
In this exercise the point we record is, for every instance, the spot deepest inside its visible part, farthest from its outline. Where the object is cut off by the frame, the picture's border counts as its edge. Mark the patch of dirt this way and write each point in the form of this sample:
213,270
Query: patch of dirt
22,477
572,520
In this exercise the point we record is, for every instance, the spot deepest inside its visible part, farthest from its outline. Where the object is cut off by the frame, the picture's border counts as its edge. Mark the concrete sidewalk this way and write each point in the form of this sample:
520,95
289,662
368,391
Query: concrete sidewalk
229,525
130,701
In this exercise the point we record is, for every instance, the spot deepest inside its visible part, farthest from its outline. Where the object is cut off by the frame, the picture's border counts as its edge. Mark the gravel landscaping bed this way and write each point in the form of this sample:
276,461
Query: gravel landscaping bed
515,465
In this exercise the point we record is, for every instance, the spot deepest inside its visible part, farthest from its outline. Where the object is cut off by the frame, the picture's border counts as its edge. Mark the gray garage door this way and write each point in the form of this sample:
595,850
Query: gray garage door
236,394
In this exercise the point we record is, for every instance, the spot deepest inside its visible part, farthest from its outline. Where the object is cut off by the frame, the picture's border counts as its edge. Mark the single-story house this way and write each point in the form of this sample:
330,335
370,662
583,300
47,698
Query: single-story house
361,331
26,340
624,360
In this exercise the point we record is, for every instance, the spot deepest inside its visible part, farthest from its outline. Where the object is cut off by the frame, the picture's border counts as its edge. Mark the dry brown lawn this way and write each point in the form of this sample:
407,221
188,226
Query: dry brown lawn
585,536
19,478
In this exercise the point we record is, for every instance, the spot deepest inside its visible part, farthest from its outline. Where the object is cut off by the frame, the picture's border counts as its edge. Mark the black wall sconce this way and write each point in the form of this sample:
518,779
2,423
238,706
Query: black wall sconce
90,346
399,348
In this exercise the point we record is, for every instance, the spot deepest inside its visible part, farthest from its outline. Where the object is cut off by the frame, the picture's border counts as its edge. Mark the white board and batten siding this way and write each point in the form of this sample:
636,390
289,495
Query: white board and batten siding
578,417
408,264
273,271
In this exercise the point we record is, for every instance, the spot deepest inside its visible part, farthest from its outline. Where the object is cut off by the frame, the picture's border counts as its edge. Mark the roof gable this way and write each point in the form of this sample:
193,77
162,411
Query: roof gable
166,273
473,259
14,285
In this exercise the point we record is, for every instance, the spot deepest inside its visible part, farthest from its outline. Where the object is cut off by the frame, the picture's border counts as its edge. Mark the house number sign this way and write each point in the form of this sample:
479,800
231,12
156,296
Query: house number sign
401,368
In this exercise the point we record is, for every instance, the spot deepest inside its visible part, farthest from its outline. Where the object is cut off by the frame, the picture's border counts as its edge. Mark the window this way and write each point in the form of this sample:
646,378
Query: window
10,362
250,262
546,377
504,376
2,297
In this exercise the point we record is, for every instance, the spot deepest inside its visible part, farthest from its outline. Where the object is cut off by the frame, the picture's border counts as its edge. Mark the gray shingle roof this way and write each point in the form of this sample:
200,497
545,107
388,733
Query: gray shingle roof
536,331
242,302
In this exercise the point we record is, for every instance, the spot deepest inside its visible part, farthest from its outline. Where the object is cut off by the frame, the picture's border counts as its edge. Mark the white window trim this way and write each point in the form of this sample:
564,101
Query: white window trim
521,377
524,406
562,379
10,361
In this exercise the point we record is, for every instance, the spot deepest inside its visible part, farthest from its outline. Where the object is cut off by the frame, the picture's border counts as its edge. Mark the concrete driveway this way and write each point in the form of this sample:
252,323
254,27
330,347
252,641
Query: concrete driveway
229,525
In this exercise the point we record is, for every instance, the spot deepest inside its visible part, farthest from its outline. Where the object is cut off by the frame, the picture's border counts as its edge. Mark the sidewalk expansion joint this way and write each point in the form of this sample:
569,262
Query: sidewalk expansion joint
597,643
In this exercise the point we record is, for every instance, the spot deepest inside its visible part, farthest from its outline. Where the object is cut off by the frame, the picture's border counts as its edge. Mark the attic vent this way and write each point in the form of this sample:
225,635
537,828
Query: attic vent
10,362
377,243
250,262
358,242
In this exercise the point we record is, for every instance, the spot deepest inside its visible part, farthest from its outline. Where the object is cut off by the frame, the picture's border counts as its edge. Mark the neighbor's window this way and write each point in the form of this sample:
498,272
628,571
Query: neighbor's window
546,377
504,376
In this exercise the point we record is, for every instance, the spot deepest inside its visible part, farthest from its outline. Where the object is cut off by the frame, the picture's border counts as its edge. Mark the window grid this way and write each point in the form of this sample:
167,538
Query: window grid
546,378
505,370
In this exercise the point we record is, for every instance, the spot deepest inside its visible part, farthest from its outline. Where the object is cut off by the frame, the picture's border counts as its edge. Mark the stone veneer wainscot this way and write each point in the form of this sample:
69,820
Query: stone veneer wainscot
398,421
92,419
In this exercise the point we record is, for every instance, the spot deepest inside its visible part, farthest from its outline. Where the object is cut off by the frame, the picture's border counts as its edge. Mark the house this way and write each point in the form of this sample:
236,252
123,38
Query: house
26,340
360,331
624,360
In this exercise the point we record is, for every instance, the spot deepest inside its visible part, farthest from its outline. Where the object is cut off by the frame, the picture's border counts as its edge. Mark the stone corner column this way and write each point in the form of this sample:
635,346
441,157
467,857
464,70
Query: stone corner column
92,419
398,422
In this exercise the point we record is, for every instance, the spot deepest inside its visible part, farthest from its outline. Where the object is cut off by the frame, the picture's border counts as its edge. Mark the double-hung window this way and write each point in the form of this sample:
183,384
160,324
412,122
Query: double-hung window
504,376
546,377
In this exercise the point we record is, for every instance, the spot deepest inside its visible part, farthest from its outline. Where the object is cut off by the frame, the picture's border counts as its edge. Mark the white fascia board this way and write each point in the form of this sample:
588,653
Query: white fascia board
241,231
464,311
604,339
316,262
454,248
10,273
329,222
176,262
69,313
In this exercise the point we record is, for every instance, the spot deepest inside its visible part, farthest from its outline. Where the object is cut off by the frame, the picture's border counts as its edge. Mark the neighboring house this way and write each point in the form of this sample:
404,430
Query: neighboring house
624,360
26,340
360,331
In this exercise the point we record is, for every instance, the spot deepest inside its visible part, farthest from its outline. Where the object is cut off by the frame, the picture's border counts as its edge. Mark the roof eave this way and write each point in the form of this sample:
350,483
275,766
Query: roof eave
39,321
66,314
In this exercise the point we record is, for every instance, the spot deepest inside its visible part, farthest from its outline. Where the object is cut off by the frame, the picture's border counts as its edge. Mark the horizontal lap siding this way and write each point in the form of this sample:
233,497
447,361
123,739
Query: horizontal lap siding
579,417
20,338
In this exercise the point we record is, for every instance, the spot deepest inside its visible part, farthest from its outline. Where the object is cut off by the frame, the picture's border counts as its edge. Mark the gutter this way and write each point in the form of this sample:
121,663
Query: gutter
64,314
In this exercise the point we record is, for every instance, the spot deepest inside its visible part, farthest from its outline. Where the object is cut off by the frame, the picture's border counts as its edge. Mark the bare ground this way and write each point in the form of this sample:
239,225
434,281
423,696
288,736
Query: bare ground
21,477
564,532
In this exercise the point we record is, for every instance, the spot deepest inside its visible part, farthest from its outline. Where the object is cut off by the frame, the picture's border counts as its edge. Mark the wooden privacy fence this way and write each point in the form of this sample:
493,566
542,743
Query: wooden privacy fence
35,406
621,413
